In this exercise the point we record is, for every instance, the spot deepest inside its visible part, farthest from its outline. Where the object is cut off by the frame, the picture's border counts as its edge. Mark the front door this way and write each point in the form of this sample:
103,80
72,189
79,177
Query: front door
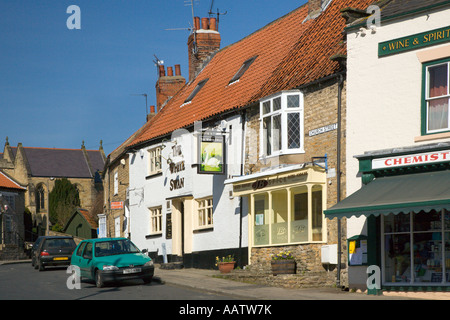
178,228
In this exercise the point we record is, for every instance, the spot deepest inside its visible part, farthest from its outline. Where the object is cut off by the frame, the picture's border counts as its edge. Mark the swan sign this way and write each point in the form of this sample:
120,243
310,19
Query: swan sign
211,154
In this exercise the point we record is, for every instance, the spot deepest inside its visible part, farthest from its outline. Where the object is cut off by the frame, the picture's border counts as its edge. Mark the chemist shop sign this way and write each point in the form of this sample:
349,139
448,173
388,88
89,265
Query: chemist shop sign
411,159
415,41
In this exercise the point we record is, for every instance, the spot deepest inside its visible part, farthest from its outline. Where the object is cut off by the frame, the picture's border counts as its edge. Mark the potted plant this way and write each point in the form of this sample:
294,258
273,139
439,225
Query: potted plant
283,263
225,264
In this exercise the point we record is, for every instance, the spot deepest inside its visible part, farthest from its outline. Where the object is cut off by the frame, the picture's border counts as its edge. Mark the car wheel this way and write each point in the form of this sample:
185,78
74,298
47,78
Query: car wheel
99,279
147,280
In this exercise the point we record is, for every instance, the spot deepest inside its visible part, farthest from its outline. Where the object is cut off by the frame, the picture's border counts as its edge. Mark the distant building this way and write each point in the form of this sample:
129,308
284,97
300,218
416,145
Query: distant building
37,169
81,225
12,199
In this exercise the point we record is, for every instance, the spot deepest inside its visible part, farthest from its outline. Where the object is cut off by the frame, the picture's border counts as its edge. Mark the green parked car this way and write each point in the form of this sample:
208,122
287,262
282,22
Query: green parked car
111,259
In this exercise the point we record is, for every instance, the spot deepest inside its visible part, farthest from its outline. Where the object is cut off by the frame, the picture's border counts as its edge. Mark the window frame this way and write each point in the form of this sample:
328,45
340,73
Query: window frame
116,182
283,111
441,230
267,219
196,90
244,67
425,95
153,160
156,220
203,210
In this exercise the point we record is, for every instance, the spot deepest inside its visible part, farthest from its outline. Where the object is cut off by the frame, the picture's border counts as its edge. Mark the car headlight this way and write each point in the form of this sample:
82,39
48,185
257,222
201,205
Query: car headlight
148,263
107,267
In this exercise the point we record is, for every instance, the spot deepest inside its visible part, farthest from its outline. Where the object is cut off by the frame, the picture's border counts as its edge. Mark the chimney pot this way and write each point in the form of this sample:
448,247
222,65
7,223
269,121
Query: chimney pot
152,109
213,24
162,71
205,23
196,23
170,71
177,70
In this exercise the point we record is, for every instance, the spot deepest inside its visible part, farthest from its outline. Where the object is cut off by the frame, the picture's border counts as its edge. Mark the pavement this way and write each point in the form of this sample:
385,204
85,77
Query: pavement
211,281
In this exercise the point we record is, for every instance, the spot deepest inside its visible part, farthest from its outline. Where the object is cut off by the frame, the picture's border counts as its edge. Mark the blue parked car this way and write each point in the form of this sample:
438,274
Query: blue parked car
111,259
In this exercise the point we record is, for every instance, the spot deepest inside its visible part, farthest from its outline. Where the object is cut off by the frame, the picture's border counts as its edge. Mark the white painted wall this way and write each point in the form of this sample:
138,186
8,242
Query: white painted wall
383,98
151,192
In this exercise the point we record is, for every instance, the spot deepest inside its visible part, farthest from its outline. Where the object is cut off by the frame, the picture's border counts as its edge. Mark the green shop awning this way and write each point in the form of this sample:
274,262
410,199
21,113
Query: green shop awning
397,194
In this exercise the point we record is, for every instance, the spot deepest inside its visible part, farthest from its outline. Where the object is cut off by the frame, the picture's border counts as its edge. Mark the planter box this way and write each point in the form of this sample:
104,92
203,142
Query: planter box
283,267
226,267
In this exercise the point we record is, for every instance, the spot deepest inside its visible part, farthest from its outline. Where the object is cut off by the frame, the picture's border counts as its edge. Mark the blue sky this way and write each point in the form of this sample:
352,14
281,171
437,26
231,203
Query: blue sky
59,87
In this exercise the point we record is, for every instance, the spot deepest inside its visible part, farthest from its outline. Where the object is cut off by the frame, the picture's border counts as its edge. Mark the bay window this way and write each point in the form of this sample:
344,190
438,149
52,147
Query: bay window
288,215
281,127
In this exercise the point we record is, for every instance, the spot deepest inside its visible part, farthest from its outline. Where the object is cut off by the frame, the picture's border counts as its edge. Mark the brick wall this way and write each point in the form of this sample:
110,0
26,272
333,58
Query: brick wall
320,109
110,196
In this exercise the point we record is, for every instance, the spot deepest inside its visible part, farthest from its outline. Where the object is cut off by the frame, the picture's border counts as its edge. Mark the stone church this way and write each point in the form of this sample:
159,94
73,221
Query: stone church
38,168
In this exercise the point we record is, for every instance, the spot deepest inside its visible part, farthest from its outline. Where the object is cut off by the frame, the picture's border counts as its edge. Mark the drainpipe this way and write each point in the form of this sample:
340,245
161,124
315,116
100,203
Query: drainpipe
240,198
338,169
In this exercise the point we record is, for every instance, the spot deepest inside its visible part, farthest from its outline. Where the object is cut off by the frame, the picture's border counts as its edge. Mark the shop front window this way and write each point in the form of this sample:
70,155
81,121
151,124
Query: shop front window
261,220
279,217
317,210
299,217
417,248
292,215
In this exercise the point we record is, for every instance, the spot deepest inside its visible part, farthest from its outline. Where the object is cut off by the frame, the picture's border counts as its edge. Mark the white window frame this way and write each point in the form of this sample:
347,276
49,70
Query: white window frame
116,182
155,164
204,206
283,112
117,227
155,220
428,99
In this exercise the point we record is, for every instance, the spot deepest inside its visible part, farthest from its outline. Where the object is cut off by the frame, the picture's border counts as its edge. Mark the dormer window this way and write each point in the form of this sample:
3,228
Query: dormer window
281,130
242,69
196,90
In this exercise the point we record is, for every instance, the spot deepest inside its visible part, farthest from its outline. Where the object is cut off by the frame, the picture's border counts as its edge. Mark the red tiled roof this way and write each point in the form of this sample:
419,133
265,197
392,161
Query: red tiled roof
8,183
290,51
309,60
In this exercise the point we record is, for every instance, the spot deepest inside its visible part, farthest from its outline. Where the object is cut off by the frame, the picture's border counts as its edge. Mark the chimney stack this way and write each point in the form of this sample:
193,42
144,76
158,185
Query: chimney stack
202,44
168,86
151,114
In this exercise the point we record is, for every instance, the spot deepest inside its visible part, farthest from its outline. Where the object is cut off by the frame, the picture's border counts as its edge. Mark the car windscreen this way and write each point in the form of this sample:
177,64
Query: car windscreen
114,247
59,243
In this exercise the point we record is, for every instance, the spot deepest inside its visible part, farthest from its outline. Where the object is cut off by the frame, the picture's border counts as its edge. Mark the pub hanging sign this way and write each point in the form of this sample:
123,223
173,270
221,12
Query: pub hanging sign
211,154
415,41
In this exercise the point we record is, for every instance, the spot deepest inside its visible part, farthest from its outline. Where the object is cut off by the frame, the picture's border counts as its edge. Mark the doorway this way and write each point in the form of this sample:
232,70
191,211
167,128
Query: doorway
181,227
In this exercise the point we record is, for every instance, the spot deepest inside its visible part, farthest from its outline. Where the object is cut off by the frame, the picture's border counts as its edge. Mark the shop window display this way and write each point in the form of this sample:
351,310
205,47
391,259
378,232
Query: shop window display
417,248
293,215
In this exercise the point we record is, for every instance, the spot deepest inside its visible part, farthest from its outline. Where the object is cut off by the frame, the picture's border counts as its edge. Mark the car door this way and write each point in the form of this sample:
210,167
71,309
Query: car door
85,261
77,256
